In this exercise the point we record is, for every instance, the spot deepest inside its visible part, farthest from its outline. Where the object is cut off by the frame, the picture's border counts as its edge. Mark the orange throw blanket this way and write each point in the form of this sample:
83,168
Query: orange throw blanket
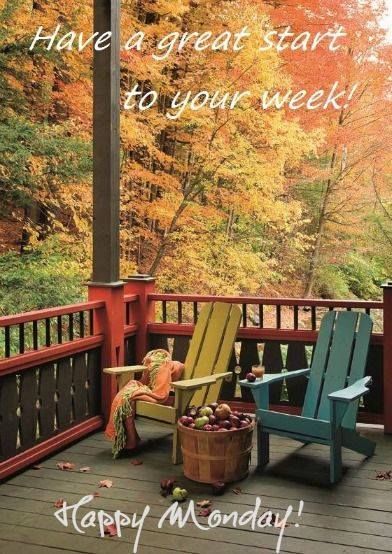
154,386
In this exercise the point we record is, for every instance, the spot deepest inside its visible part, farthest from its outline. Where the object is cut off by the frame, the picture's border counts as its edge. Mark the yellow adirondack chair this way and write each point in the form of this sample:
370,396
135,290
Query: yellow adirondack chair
205,368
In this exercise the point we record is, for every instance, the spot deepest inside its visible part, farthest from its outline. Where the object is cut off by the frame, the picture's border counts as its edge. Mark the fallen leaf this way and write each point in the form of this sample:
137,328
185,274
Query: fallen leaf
275,522
136,462
205,512
384,475
85,469
110,530
59,503
65,466
95,494
106,483
204,503
237,490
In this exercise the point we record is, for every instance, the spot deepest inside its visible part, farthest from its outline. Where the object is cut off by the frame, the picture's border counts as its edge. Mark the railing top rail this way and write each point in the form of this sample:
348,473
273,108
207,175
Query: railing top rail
45,355
38,315
306,302
131,298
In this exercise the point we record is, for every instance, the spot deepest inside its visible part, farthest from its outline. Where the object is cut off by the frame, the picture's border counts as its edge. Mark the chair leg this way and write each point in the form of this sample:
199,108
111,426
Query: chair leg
335,468
263,448
176,452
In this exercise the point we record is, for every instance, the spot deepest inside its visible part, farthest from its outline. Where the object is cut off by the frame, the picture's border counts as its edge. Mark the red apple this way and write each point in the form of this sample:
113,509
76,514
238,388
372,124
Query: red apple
235,421
225,424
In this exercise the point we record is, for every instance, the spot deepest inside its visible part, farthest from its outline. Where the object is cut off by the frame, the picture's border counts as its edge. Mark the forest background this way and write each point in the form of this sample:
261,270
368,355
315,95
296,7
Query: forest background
218,201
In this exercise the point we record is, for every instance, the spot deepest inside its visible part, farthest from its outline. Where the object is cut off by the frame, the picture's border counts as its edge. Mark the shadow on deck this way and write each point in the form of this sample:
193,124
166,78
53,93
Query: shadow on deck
355,516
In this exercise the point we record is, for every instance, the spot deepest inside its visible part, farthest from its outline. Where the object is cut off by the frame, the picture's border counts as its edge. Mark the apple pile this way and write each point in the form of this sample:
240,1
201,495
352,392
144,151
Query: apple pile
214,417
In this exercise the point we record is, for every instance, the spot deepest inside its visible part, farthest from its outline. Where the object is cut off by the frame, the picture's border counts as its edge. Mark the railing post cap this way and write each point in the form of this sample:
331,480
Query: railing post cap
114,284
144,277
387,284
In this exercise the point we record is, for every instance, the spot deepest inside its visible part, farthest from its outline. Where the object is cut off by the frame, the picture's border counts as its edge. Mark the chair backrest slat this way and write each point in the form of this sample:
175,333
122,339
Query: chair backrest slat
358,365
339,360
319,365
216,347
225,353
196,342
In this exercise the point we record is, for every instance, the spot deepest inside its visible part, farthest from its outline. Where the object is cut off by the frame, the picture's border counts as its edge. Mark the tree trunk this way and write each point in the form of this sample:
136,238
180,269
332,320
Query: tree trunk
315,255
166,239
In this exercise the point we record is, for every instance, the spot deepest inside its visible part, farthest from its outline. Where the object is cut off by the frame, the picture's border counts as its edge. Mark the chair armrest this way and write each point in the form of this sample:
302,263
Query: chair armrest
353,392
273,378
121,370
199,382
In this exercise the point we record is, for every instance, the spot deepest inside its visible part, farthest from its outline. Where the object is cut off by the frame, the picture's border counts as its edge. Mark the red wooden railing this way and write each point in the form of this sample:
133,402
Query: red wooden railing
52,390
50,366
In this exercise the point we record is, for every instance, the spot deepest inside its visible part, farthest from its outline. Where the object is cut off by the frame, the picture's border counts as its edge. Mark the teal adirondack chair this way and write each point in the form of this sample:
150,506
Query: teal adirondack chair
335,386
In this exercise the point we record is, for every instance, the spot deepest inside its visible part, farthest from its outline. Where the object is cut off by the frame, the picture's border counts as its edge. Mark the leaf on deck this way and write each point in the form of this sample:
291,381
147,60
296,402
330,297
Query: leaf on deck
106,483
204,503
205,512
65,466
384,475
110,530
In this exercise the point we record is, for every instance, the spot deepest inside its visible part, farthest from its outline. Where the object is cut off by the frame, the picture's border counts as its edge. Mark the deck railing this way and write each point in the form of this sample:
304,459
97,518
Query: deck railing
52,390
50,381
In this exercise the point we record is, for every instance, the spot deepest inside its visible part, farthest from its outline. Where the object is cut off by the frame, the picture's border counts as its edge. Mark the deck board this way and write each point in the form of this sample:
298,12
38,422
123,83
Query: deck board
353,517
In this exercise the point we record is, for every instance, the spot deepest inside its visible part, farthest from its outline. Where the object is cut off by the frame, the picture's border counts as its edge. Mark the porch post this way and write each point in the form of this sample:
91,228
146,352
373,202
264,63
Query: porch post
387,288
142,285
106,145
105,283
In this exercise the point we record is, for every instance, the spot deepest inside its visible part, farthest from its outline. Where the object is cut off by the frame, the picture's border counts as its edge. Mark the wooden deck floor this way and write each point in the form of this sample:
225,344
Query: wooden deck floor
352,517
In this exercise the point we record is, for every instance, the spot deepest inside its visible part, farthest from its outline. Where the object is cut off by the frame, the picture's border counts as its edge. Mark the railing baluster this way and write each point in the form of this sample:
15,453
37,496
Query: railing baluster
21,338
295,317
81,324
59,329
261,316
35,334
91,322
7,341
179,312
314,321
47,331
164,311
244,315
278,317
195,313
71,326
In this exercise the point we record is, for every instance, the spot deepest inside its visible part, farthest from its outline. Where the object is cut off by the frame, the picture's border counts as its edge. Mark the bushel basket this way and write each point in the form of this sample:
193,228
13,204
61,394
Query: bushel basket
211,456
